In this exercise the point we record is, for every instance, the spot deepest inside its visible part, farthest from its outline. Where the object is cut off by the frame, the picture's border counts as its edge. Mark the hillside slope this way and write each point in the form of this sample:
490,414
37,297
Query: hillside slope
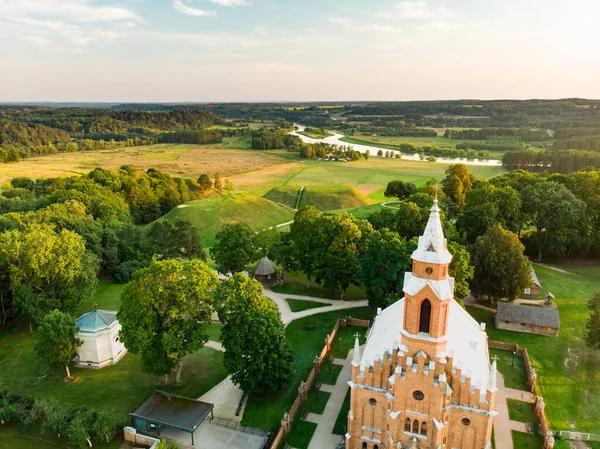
324,198
209,214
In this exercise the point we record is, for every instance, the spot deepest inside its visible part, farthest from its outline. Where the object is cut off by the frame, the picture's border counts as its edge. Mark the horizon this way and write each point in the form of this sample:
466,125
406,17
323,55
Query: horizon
233,51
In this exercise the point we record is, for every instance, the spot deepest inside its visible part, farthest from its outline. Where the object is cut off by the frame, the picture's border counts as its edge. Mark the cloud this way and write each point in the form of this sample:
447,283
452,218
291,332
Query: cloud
38,40
356,25
83,11
421,9
229,2
191,11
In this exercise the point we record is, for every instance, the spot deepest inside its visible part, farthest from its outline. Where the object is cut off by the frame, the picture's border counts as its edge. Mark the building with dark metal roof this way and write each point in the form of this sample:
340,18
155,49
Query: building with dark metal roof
165,410
530,319
99,334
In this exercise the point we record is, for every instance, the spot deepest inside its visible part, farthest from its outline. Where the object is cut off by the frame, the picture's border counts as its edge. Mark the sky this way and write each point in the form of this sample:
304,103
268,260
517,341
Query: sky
297,50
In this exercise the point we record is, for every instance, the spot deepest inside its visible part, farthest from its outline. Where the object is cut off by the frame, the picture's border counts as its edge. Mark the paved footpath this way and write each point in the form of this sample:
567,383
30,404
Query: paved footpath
502,423
323,438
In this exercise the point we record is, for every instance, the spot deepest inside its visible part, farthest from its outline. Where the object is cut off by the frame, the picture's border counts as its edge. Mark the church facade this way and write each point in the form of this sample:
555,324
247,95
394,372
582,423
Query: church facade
423,379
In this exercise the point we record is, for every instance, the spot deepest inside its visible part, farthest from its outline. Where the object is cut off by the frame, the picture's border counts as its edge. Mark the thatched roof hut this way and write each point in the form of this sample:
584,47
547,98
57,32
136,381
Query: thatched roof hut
265,272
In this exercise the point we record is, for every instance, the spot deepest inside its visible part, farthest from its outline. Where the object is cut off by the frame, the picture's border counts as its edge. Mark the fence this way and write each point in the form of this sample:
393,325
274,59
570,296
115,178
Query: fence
532,381
289,416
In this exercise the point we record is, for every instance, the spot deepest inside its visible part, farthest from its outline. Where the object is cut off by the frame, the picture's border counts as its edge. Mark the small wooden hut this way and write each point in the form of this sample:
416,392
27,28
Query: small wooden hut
265,272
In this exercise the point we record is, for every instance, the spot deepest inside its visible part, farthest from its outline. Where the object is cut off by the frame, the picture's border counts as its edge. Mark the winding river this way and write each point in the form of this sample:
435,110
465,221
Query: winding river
336,140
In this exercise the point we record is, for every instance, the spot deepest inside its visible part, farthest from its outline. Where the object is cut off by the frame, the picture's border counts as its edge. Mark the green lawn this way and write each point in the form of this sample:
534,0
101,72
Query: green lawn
316,401
342,420
295,284
564,444
298,305
524,440
315,135
214,331
324,198
120,388
301,433
12,437
329,373
568,372
512,368
265,411
209,214
522,412
107,297
344,340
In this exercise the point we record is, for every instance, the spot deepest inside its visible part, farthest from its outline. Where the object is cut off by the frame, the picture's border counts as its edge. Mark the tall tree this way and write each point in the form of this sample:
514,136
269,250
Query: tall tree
204,183
399,189
557,215
457,183
257,353
592,333
460,269
234,248
164,314
175,238
217,185
56,341
47,270
501,268
383,265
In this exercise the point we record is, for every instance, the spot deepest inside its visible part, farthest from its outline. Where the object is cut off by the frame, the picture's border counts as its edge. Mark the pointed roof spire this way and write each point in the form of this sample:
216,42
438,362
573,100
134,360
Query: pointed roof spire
356,355
432,244
492,381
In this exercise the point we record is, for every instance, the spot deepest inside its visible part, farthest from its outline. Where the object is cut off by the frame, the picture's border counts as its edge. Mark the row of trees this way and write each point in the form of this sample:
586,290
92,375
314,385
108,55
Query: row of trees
554,161
523,134
197,137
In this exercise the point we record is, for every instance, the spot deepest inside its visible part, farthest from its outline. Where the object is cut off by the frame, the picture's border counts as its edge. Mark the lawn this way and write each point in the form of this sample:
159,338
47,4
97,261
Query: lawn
341,422
568,372
107,297
120,388
209,214
214,331
298,305
524,440
345,338
512,368
296,284
315,135
12,437
522,412
265,411
316,401
329,373
301,434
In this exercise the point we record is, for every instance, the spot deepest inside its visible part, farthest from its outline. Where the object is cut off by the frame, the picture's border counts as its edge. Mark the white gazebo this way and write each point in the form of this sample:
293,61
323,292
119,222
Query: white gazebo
99,332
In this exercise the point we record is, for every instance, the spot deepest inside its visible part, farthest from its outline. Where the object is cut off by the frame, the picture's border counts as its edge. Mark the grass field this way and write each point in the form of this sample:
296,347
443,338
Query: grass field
339,428
265,411
512,368
12,437
323,198
295,284
209,214
231,157
298,305
568,372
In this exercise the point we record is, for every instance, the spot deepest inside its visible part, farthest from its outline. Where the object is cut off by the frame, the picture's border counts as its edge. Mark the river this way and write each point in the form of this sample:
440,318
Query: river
336,140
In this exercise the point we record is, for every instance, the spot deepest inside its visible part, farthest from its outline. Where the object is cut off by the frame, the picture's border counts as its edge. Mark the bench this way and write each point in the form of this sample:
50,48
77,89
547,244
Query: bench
304,414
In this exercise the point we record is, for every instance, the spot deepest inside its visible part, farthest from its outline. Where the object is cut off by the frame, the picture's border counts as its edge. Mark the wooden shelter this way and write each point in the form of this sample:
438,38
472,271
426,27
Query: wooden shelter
265,272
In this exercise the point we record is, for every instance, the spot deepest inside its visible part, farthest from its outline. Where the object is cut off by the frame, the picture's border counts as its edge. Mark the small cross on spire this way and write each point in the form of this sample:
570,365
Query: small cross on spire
436,186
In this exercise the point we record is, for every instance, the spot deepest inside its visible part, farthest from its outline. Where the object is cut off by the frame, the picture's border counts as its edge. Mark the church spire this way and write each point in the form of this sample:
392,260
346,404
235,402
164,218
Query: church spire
356,355
432,244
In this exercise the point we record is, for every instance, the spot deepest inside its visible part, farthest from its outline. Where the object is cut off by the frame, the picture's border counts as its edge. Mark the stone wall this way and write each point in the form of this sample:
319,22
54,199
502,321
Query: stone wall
532,380
289,416
132,436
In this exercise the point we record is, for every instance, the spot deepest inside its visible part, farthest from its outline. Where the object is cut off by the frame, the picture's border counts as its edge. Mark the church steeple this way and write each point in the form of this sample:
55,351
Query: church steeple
432,244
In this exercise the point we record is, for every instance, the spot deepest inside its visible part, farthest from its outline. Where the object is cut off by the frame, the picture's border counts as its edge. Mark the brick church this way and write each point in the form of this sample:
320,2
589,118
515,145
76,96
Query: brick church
423,379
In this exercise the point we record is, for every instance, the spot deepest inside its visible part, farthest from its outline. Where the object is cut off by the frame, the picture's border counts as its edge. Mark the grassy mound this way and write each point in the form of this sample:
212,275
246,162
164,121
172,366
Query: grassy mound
324,198
209,214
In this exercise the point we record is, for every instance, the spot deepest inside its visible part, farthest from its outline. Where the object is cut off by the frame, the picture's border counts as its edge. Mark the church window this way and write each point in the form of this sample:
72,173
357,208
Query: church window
428,270
415,427
444,441
425,316
423,428
465,421
407,425
373,401
418,395
430,248
375,447
364,446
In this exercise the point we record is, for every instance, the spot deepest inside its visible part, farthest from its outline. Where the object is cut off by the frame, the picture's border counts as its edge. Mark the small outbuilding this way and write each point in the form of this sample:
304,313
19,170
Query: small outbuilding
99,332
530,319
534,290
265,272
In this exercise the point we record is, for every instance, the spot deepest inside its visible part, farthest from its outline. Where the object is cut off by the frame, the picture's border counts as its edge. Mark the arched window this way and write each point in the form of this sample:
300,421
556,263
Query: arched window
415,427
375,447
425,317
423,428
364,446
407,425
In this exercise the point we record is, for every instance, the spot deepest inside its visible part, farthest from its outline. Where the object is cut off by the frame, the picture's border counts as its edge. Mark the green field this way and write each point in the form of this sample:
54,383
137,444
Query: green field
568,372
323,198
298,305
12,437
209,214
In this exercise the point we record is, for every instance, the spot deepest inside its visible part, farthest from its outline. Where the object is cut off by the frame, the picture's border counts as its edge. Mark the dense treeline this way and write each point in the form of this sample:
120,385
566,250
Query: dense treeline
524,134
199,137
273,139
590,143
496,145
556,161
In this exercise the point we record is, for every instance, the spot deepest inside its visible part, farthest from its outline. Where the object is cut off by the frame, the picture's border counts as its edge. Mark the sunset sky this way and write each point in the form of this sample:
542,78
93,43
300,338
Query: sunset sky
297,50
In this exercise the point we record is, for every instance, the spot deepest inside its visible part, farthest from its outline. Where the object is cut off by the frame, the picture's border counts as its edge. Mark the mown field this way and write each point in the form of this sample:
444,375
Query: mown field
322,197
568,372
